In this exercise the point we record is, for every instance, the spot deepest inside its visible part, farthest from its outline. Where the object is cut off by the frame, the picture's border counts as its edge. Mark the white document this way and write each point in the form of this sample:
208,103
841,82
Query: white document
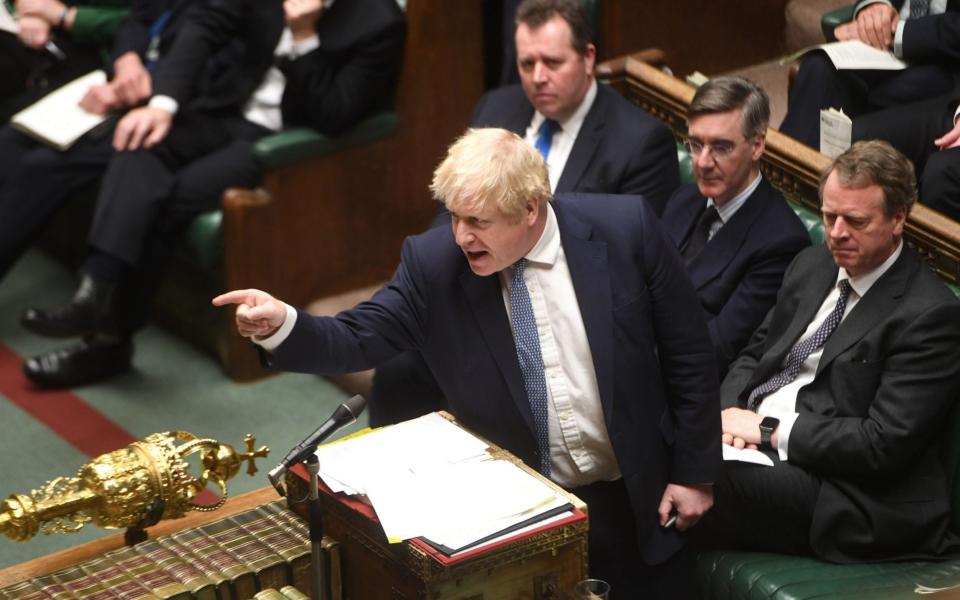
854,54
835,132
7,21
744,455
429,478
57,119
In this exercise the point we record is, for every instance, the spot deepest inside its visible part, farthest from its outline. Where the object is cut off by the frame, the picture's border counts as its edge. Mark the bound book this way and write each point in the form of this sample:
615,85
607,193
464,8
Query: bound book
57,119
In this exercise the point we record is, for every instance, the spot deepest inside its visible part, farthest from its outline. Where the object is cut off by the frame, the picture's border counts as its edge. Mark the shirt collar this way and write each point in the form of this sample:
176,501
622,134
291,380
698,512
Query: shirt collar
547,248
572,125
727,211
862,283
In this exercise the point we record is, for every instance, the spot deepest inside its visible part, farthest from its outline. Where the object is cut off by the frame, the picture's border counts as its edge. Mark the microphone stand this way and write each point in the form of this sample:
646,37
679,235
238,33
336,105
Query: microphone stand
315,521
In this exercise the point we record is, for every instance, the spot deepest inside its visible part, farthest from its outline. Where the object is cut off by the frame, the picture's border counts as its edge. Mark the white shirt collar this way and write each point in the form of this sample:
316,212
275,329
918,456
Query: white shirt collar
572,125
547,248
862,283
727,211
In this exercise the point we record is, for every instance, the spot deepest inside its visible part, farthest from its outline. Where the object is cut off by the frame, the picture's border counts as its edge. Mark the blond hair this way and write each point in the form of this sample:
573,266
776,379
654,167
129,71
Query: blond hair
876,162
491,165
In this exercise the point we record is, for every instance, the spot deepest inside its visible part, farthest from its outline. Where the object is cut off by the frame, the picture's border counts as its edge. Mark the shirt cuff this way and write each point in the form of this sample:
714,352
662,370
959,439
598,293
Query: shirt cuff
783,434
272,342
164,103
304,46
956,114
898,39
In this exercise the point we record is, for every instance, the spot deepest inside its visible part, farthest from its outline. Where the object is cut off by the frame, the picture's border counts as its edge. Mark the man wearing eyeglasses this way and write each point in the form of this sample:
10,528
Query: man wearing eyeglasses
734,231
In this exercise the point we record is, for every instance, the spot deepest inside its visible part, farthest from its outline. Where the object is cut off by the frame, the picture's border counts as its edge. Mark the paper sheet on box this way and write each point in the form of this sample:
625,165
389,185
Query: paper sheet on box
428,477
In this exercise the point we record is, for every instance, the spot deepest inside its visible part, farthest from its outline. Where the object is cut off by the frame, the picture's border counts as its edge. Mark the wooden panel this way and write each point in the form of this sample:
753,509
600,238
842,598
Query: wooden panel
712,37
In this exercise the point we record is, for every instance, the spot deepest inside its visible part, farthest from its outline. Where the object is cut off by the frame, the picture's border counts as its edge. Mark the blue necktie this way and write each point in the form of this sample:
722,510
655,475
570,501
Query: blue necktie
802,350
545,137
531,360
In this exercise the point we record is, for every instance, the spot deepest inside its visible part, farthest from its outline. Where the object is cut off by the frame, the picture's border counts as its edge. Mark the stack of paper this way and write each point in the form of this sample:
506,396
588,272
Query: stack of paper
429,478
57,119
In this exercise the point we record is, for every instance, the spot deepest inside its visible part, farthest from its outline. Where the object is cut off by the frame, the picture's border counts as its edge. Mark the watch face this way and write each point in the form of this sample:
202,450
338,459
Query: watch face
769,423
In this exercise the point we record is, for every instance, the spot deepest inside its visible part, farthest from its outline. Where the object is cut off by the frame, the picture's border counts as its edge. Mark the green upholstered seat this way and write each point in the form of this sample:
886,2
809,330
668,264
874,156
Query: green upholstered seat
830,20
204,235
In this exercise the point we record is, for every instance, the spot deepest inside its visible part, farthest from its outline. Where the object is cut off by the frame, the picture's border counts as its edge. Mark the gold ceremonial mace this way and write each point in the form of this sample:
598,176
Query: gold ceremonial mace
134,487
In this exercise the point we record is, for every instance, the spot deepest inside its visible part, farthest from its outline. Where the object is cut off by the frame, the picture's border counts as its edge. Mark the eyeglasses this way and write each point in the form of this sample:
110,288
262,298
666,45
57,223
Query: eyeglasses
718,150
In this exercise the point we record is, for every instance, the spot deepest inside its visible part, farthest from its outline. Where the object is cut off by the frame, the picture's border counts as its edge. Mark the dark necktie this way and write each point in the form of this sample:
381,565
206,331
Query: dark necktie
919,8
527,341
545,137
701,233
802,349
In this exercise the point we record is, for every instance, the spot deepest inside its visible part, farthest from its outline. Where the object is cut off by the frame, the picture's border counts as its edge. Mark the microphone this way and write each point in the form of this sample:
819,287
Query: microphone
345,414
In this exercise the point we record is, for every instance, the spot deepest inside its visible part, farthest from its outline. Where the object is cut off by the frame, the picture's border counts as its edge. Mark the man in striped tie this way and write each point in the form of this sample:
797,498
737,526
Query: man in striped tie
846,386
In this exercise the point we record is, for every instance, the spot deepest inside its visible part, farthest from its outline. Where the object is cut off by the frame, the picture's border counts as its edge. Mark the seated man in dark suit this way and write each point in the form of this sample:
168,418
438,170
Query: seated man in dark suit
324,66
592,139
923,33
734,231
36,179
928,132
566,332
846,386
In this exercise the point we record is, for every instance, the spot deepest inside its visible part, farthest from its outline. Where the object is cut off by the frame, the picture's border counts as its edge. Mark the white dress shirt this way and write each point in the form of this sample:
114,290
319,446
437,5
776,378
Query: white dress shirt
564,137
730,208
782,403
580,450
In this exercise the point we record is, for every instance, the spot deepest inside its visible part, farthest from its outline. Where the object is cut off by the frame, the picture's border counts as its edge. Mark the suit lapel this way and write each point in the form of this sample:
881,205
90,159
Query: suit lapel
815,290
689,206
586,144
880,301
590,272
721,249
486,299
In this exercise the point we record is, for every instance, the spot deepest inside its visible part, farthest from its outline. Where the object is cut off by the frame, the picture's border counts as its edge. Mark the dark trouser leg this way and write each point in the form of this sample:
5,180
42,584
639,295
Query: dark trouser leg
403,388
940,182
615,555
35,181
819,85
910,128
760,508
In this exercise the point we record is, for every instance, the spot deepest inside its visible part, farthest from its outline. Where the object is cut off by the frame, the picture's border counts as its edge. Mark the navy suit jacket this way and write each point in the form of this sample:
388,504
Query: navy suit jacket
647,336
620,149
739,271
224,50
869,422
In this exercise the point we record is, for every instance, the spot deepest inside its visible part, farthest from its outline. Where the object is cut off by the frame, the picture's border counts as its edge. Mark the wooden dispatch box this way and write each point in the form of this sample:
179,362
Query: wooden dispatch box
543,564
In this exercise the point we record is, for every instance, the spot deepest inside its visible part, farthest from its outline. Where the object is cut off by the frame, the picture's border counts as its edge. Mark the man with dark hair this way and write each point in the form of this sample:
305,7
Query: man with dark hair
924,33
735,232
846,386
318,64
563,330
592,139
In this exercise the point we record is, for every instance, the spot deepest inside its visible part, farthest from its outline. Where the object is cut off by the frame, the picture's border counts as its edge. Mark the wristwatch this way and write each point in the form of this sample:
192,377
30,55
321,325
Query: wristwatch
767,426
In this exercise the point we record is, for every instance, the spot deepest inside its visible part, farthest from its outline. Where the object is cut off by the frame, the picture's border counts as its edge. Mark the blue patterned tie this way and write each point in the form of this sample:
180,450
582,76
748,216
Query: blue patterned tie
919,8
545,137
531,360
802,350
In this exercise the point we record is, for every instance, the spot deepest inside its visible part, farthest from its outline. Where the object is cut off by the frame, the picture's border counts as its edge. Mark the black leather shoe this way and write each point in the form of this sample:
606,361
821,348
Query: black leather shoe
91,360
90,311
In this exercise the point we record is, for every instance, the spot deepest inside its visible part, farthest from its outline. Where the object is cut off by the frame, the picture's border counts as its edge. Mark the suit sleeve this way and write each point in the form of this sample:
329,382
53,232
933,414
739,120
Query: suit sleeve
914,385
331,97
364,336
754,295
686,360
133,33
934,38
653,171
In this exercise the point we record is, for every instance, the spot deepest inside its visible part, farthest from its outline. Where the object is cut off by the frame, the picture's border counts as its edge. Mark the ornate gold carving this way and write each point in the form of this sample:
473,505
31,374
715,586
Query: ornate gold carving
130,487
